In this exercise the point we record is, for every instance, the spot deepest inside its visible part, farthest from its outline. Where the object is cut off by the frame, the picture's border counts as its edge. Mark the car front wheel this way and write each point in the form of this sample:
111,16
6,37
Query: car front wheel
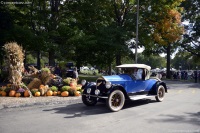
89,101
116,100
160,93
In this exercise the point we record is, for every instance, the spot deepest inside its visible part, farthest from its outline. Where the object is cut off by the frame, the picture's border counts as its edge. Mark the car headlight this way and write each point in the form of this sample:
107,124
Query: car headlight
108,84
88,90
83,82
97,92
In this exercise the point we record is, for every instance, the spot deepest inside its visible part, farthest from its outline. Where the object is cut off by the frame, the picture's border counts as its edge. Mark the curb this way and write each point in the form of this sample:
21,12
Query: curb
41,104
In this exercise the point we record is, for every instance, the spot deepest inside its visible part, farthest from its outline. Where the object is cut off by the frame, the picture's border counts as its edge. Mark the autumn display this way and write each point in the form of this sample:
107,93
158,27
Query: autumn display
38,83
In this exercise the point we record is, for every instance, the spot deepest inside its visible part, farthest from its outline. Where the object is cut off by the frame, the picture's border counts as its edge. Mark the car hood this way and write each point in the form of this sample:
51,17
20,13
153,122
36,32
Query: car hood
121,77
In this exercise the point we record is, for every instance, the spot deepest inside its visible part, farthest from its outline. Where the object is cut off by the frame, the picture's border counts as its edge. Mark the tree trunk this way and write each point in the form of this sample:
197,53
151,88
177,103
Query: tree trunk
38,60
168,61
110,70
118,59
51,57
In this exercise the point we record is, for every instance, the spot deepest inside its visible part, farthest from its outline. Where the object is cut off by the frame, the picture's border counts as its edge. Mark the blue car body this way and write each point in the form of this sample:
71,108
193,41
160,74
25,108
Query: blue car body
130,85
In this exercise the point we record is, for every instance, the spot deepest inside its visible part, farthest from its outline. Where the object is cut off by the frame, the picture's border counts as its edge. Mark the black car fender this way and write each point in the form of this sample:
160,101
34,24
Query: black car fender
161,83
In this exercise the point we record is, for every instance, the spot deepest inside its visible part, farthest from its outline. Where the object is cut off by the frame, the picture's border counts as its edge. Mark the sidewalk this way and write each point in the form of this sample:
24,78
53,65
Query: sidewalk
14,102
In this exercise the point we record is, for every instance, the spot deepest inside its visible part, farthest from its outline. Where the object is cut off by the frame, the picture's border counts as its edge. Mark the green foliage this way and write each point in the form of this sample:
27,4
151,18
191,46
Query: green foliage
30,59
46,70
191,41
185,61
93,32
33,91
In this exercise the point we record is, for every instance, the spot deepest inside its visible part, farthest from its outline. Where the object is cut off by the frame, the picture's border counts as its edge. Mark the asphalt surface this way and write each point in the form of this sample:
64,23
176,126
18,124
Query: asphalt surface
178,113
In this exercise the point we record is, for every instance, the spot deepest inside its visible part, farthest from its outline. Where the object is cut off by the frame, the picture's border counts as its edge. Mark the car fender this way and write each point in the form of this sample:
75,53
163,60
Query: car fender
118,87
92,86
161,83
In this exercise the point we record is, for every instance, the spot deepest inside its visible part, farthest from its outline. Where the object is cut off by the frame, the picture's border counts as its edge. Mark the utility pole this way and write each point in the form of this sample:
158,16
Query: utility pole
137,31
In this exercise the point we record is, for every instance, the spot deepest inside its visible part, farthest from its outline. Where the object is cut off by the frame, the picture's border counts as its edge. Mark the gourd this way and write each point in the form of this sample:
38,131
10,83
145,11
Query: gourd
26,94
65,94
3,93
55,93
49,93
59,92
17,94
12,93
77,93
37,94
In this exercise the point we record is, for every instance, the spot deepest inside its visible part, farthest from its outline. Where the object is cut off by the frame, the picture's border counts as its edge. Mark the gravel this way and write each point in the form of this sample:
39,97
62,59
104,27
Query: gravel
14,102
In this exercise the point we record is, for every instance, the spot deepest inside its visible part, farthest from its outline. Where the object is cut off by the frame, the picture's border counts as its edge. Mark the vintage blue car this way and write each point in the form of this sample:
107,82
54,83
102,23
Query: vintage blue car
133,83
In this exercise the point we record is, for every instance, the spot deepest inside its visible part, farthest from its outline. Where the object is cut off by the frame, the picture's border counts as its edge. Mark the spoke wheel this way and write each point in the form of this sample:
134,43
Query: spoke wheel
116,100
89,101
160,93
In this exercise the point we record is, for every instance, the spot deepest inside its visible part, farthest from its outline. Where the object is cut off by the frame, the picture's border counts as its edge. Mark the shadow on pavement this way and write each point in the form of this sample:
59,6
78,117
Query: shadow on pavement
190,118
80,110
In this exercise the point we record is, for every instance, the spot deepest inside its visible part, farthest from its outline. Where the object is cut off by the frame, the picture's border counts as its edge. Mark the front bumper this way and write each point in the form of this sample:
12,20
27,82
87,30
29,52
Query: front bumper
97,96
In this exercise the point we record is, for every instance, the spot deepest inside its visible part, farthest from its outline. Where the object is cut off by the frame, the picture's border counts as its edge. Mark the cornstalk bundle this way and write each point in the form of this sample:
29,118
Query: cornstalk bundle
14,60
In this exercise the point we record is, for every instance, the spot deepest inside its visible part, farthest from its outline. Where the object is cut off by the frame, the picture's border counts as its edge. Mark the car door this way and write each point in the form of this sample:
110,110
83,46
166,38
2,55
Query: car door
136,86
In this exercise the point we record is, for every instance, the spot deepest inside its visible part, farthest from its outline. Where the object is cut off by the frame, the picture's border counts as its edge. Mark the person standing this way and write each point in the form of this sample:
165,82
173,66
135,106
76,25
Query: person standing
75,74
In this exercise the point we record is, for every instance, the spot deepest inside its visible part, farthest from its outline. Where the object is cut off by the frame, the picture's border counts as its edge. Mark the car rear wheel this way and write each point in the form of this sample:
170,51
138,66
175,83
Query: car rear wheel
160,93
116,100
89,101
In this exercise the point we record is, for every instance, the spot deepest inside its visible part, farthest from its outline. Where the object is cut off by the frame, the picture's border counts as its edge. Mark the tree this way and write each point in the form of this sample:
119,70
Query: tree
164,20
191,42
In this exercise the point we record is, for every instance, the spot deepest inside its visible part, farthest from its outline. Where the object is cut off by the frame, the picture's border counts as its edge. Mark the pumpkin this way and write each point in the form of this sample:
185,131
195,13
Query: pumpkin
37,94
26,94
41,87
3,93
59,92
17,94
12,93
65,94
73,85
55,93
77,93
33,91
49,93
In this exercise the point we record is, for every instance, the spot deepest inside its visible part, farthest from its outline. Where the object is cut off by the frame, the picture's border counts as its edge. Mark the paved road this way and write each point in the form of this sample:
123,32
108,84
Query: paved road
178,113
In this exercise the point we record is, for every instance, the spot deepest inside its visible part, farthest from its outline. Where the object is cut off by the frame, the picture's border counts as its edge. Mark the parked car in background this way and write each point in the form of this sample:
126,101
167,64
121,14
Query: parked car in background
133,83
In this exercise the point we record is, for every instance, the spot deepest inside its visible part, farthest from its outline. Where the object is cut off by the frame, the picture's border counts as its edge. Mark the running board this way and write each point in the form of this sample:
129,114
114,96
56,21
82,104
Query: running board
137,97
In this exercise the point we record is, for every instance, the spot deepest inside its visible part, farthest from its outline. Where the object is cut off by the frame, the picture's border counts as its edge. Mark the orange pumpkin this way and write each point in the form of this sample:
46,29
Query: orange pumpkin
59,92
49,93
12,93
55,93
77,93
37,94
17,94
65,94
41,87
73,85
26,94
3,93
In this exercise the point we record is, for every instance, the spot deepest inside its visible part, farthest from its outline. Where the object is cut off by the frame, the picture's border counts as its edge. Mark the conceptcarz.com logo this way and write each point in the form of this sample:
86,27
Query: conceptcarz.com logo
15,3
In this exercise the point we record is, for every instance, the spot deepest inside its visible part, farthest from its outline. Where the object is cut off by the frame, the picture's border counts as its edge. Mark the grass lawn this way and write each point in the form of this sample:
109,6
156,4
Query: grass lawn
89,78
